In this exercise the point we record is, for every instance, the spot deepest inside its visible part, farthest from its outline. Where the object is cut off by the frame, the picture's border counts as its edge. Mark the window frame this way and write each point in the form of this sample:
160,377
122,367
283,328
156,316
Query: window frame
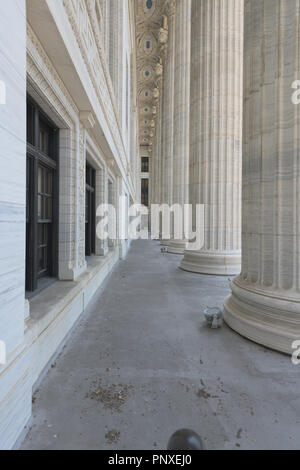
36,158
145,192
145,165
90,209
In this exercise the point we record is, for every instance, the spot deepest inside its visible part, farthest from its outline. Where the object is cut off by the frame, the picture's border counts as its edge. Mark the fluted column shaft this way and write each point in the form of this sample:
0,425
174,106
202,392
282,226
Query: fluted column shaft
181,112
216,133
155,169
265,304
168,113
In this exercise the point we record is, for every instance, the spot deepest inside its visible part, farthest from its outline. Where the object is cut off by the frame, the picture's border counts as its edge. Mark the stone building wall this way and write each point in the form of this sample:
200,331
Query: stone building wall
62,62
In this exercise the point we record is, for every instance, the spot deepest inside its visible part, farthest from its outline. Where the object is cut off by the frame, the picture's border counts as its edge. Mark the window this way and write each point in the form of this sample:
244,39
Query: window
90,211
145,164
41,198
145,192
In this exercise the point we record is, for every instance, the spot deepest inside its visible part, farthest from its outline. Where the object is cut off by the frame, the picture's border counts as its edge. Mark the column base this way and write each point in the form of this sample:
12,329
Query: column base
217,263
267,317
165,242
177,247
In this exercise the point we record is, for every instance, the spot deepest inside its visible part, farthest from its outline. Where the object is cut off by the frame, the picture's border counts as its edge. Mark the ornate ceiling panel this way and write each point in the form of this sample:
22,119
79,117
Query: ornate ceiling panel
152,38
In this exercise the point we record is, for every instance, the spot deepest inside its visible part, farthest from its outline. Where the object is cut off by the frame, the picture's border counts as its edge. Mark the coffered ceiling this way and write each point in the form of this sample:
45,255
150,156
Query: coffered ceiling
152,39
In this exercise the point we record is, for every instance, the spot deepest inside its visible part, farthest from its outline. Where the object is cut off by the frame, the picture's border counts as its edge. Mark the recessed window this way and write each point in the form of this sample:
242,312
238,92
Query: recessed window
30,123
145,192
148,44
145,165
41,198
90,211
149,4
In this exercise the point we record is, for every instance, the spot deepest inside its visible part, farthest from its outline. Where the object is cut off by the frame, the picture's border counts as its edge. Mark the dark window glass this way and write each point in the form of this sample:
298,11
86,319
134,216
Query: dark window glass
145,192
45,219
30,123
90,211
145,165
41,197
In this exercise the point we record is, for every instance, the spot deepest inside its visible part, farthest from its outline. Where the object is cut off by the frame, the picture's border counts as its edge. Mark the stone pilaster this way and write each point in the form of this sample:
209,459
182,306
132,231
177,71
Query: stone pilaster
115,44
168,114
265,302
72,203
181,113
80,202
114,219
216,133
101,200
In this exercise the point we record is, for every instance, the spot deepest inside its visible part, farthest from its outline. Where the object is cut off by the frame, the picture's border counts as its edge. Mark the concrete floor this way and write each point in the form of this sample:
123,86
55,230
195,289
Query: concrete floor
141,364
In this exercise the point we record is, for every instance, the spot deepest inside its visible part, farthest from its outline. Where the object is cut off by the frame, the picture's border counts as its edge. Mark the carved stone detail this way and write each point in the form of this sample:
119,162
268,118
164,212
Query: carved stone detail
152,39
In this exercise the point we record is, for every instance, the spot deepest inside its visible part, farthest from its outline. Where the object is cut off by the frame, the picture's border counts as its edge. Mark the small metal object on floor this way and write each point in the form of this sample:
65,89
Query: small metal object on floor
213,317
185,439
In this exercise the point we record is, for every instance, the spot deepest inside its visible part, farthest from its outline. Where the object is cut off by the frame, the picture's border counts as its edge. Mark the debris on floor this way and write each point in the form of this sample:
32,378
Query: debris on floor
112,397
112,437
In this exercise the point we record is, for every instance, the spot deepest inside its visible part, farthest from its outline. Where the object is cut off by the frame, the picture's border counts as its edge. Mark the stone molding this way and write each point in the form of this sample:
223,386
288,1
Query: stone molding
152,29
83,19
49,89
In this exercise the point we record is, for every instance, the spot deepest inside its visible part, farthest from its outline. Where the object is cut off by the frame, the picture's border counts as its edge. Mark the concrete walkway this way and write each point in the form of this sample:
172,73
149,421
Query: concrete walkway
141,365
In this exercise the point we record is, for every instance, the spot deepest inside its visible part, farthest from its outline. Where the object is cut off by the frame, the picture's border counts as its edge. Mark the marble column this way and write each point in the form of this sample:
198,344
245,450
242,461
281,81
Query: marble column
265,301
168,114
155,168
216,133
181,113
